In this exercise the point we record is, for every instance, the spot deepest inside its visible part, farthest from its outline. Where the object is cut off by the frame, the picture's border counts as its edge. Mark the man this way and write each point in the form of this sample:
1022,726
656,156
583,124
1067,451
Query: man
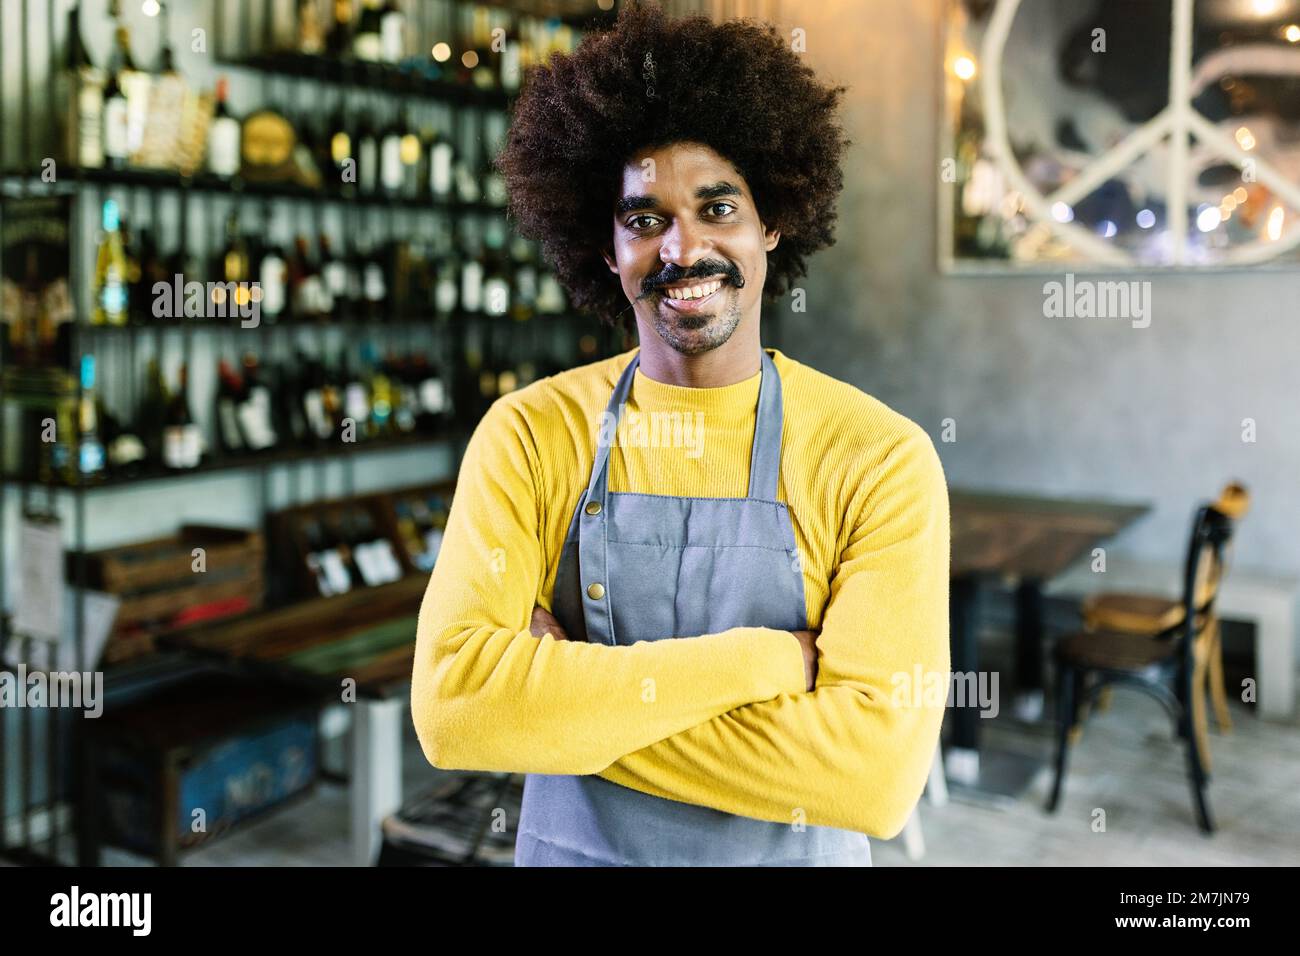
682,588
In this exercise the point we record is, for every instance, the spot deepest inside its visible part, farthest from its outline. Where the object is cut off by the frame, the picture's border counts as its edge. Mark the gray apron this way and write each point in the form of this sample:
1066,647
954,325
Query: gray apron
674,567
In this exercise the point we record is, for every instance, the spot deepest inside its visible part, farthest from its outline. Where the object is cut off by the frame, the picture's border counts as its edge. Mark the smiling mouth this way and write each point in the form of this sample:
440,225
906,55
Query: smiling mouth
692,296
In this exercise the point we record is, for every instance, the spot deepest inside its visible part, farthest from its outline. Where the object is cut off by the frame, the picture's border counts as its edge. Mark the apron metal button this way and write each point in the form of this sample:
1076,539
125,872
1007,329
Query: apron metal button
593,508
595,591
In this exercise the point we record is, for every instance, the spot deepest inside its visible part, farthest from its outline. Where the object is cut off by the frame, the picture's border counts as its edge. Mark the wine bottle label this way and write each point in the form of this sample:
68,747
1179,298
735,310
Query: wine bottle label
367,163
471,287
511,74
228,421
375,287
336,572
370,574
336,278
223,146
368,46
136,85
274,279
314,408
444,298
89,123
174,451
255,418
495,189
311,296
526,284
383,550
391,171
466,184
323,583
433,396
391,38
356,402
550,297
440,171
116,129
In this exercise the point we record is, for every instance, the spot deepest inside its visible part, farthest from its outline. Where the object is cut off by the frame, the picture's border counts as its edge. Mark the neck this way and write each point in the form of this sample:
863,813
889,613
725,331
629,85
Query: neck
736,360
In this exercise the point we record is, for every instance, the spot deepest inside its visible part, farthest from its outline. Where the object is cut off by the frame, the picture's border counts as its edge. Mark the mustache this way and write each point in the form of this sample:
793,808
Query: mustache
672,275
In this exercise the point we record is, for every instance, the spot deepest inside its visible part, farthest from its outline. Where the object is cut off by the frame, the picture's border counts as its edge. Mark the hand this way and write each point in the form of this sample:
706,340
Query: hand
808,641
544,622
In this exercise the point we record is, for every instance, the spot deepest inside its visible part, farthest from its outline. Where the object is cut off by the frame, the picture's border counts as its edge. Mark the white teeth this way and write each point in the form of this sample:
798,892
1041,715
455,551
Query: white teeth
695,291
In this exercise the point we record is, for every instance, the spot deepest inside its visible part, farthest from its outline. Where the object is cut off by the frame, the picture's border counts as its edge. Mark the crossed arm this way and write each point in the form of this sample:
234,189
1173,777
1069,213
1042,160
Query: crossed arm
732,726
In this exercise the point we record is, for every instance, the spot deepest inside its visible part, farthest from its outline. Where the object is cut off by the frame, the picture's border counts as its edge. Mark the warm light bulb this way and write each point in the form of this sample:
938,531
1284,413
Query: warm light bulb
964,67
441,52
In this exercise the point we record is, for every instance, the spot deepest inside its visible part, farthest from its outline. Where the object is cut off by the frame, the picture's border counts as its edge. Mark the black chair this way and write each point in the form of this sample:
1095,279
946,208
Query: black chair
1168,665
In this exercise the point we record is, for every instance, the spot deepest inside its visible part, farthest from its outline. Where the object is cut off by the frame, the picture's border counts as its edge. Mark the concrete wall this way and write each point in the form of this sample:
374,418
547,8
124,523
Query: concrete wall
1054,406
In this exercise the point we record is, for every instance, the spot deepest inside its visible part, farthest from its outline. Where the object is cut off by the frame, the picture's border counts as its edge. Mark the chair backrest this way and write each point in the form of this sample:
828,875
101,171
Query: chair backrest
1207,557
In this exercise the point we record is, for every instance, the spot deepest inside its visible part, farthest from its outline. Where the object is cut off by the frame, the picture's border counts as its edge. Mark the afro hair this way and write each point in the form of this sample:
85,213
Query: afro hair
650,81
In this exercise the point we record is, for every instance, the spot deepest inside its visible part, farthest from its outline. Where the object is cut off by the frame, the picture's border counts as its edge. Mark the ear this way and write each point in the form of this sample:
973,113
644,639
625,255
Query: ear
770,238
608,254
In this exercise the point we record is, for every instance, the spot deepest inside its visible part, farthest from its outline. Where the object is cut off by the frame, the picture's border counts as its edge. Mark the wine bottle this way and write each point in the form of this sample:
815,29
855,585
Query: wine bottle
223,136
306,287
342,160
153,412
311,40
367,41
392,172
182,438
392,32
116,134
232,292
90,449
356,399
84,100
374,283
254,410
317,402
111,290
339,41
230,393
367,156
334,279
471,283
273,278
496,283
442,158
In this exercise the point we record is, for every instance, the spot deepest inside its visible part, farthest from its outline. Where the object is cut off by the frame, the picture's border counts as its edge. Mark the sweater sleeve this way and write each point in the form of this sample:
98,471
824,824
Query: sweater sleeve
856,751
488,695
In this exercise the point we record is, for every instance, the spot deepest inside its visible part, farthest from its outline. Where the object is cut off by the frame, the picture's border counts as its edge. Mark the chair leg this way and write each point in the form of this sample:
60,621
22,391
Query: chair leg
1065,684
1198,779
1080,707
1200,726
1218,690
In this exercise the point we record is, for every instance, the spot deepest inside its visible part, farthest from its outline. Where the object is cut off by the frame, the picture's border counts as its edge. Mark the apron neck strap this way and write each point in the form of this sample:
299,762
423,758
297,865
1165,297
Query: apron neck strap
765,456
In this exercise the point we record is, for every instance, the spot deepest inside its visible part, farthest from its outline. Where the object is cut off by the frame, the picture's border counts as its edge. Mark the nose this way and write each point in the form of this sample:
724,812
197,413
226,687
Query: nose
684,243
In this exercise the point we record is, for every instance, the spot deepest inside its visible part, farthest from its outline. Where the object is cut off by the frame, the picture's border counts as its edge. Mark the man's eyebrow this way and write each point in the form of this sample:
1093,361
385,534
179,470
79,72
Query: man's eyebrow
713,191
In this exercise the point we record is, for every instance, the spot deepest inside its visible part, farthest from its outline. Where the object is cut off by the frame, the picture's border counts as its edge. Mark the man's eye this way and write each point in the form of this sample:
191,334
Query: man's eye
641,222
726,207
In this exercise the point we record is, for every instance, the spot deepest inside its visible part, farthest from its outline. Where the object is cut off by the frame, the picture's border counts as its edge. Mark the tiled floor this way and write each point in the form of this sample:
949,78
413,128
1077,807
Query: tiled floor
1127,765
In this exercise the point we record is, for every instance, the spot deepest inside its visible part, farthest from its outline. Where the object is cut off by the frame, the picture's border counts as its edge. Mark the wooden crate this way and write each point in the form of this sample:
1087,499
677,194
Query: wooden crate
160,591
184,766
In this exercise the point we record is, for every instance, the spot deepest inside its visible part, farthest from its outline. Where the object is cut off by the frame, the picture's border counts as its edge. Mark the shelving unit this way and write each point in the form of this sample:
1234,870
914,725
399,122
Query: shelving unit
244,36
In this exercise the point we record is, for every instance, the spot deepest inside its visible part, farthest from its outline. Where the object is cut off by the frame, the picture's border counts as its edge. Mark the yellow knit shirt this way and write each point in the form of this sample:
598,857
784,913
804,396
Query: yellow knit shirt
720,720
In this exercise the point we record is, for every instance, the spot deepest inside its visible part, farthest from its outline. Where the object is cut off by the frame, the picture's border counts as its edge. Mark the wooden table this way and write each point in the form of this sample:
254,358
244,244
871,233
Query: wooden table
367,636
1029,538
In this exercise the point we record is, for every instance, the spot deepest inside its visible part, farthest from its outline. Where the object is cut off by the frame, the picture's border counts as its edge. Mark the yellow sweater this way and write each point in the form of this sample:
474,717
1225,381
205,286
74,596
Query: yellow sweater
730,725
